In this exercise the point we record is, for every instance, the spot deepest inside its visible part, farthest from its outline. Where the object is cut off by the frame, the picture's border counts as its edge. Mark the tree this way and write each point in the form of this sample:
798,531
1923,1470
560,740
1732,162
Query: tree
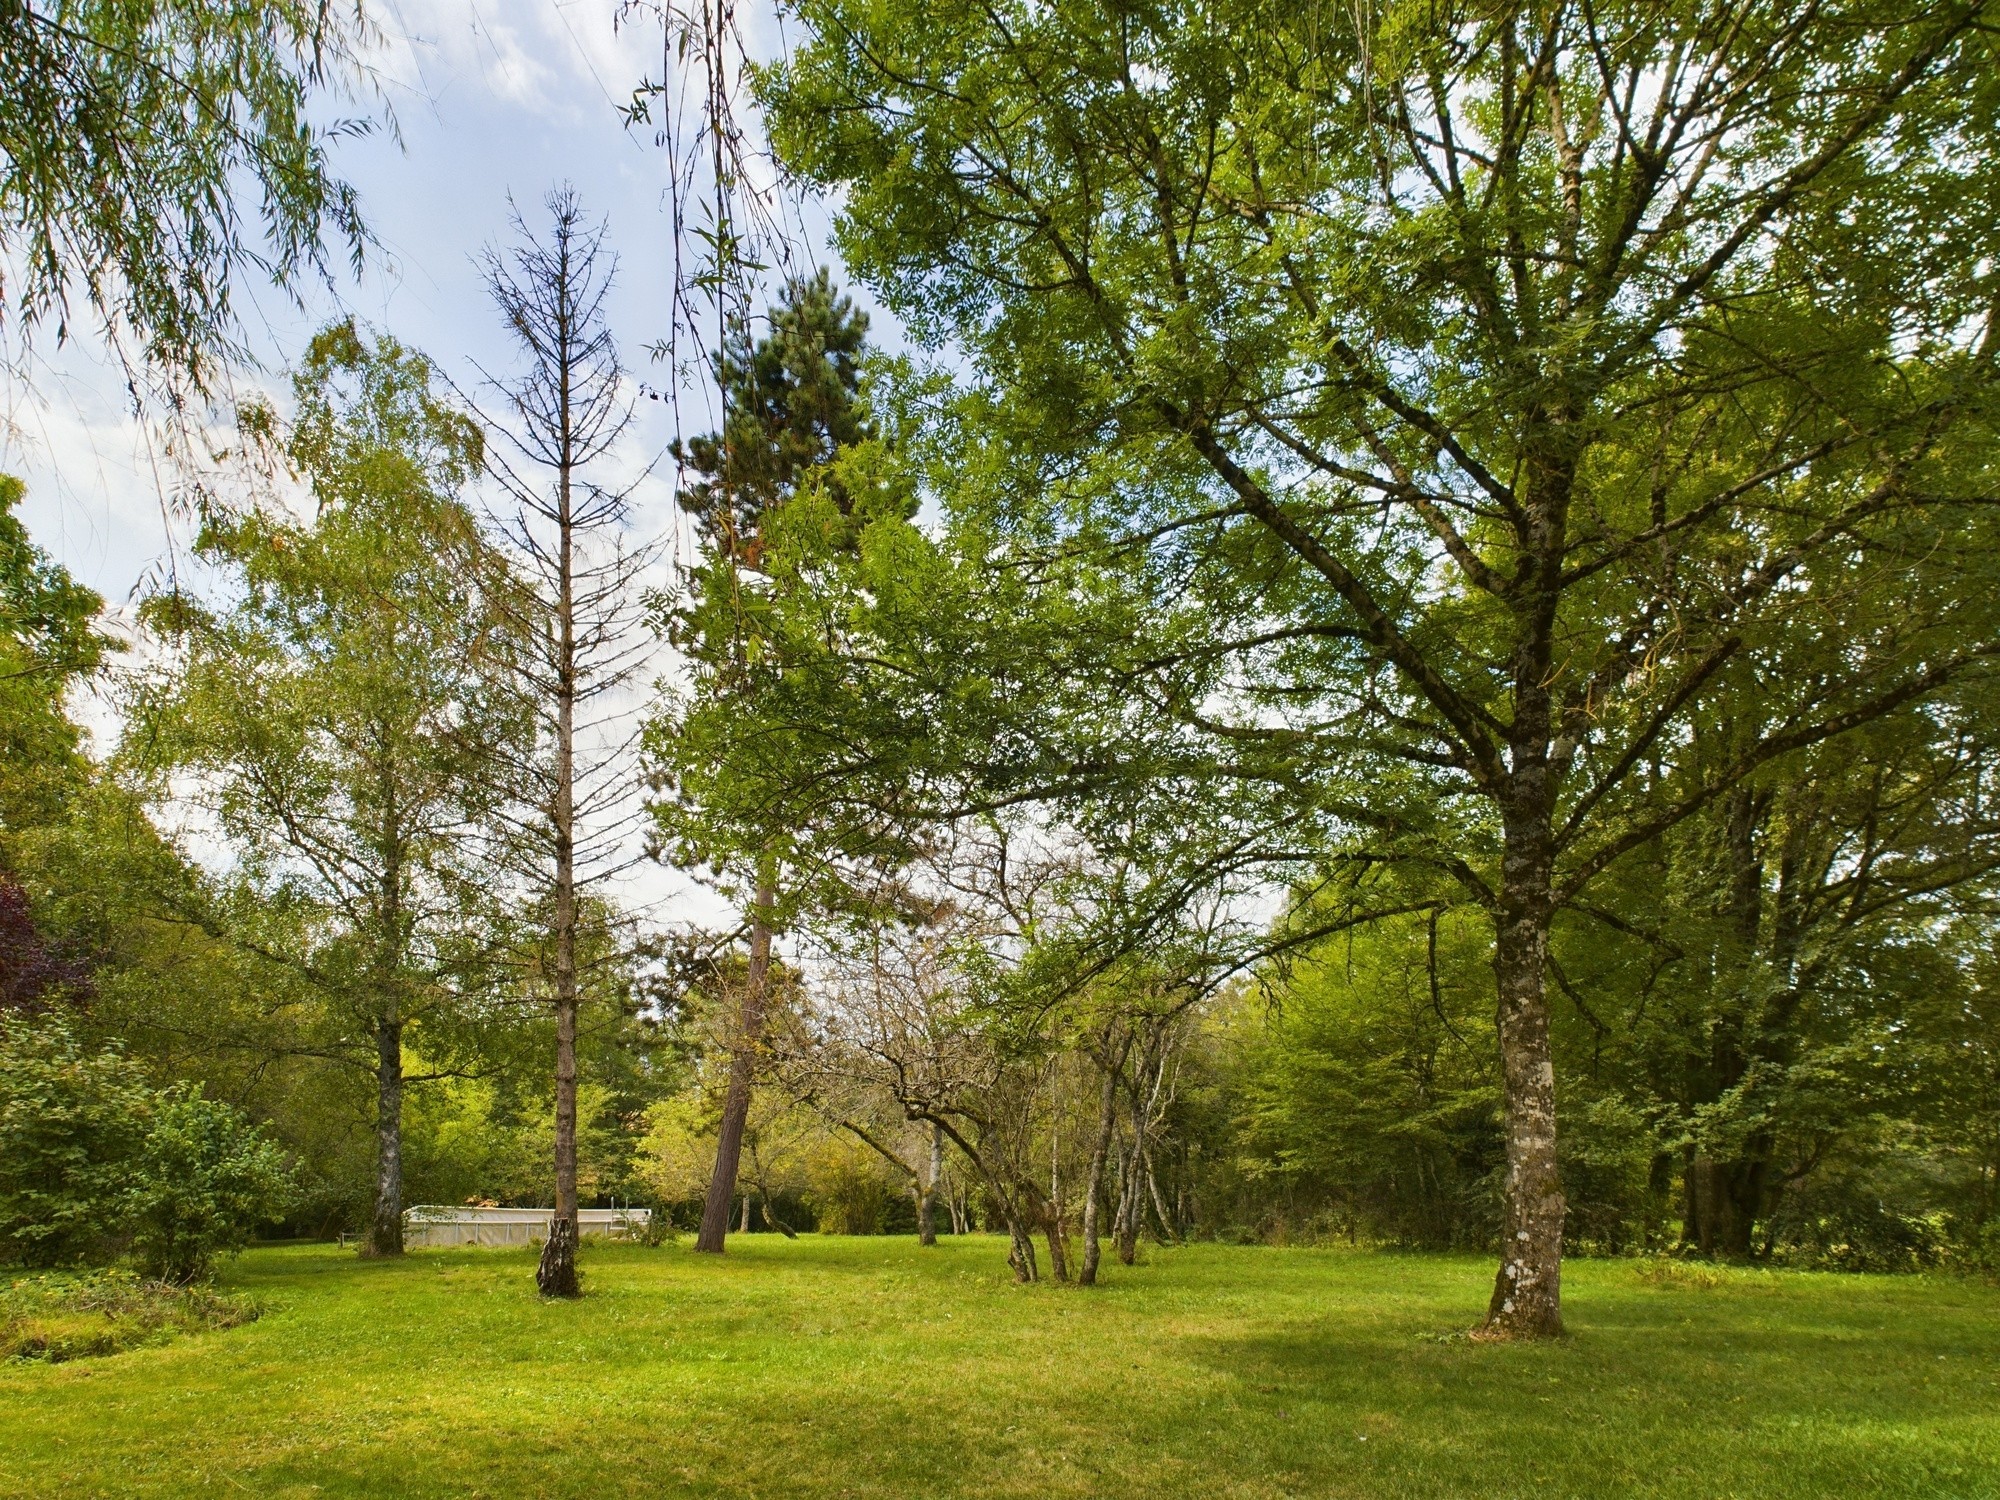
50,643
126,133
1484,395
339,716
792,405
202,1183
564,418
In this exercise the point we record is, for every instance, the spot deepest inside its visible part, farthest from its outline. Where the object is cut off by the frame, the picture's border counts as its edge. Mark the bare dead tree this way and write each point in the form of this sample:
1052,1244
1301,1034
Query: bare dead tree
578,619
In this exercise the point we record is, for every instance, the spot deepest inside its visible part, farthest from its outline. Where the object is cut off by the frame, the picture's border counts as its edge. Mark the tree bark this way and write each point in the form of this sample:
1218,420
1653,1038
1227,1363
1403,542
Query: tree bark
1021,1249
742,1074
1052,1222
556,1275
1093,1187
927,1190
1126,1228
1527,1292
385,1229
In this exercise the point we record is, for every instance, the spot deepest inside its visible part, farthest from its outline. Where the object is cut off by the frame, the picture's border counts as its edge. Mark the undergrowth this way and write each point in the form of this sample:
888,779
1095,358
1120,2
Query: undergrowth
62,1315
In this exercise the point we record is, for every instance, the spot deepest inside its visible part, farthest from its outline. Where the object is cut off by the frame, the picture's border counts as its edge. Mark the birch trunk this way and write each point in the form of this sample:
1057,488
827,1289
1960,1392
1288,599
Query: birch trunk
385,1229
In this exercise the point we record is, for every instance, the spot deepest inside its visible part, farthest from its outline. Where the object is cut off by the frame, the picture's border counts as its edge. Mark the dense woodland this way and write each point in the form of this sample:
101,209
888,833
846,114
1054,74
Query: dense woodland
1408,657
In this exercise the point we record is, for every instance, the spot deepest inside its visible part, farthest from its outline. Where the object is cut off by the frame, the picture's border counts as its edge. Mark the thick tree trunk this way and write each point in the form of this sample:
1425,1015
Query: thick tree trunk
1093,1188
742,1074
385,1228
1052,1225
1725,1200
927,1190
1527,1293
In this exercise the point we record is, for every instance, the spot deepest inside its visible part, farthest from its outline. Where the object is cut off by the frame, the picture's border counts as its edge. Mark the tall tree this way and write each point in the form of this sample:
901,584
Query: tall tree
1489,390
564,416
126,134
791,406
339,715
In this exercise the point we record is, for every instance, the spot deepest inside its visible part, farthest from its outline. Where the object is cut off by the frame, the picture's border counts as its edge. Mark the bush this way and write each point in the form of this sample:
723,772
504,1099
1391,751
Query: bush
71,1123
93,1160
205,1178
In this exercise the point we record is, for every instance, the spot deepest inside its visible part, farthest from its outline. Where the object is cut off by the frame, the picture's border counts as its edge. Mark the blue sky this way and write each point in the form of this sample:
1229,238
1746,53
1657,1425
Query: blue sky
492,98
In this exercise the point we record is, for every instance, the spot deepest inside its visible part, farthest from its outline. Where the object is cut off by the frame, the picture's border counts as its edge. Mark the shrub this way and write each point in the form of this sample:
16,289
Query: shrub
204,1179
92,1160
71,1122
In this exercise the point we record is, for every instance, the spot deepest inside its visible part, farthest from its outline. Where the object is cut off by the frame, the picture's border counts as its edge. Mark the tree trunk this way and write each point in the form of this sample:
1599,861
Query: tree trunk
927,1190
743,1220
1021,1249
1093,1187
1058,1252
1725,1200
1126,1228
385,1229
1527,1292
1169,1230
556,1276
742,1073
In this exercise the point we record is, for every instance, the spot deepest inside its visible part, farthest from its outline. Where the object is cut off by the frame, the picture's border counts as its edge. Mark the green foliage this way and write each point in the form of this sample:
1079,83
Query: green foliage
204,1180
1366,1098
792,404
73,1122
49,642
343,714
126,133
94,1160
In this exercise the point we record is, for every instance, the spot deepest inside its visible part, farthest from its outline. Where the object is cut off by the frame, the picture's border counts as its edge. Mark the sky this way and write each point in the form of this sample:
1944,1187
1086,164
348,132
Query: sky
494,101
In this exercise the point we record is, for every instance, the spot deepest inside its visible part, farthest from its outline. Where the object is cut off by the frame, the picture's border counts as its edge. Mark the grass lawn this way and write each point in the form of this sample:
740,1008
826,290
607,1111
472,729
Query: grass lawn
868,1367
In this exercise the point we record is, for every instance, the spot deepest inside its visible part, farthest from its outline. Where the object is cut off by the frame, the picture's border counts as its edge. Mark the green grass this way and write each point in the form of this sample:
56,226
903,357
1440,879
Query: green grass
867,1367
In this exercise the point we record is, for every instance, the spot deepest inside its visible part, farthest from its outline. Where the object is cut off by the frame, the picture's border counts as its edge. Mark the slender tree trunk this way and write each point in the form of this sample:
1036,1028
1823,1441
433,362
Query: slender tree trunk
742,1073
1058,1251
1527,1292
1093,1187
1126,1230
1169,1233
927,1190
385,1229
556,1276
1021,1249
743,1220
